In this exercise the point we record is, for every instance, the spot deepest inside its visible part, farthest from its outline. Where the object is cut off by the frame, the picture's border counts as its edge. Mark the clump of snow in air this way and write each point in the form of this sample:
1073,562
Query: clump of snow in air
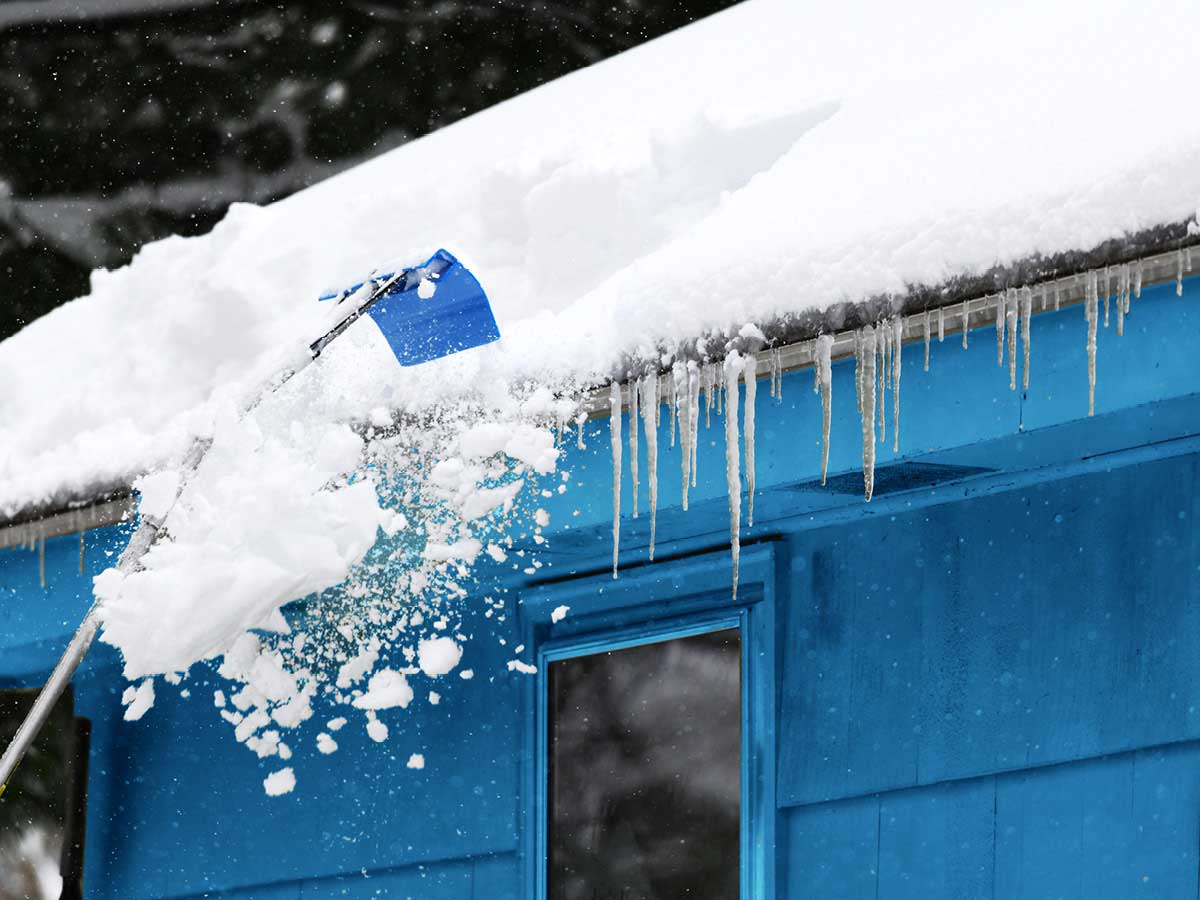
326,744
138,700
559,613
376,730
416,761
386,689
281,782
632,217
437,656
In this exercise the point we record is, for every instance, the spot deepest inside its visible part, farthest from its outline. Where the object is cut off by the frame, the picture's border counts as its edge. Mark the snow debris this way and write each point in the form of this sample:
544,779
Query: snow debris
336,724
437,656
376,730
434,698
386,689
559,613
279,783
416,761
137,700
326,744
516,665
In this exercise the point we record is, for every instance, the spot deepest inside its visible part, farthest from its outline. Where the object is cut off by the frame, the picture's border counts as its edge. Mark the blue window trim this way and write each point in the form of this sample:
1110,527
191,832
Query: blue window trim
661,601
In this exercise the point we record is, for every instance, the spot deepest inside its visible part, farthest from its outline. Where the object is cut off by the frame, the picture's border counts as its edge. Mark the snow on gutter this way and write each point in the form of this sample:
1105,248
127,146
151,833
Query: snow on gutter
792,344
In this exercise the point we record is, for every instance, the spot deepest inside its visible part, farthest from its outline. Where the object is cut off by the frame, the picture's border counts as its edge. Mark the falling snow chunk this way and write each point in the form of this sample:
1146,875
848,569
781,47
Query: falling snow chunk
326,744
376,730
336,724
516,665
279,783
437,656
614,429
559,613
733,478
137,700
416,761
386,689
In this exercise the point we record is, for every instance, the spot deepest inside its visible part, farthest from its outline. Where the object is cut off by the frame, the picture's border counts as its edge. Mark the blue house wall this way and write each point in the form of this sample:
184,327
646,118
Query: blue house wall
986,687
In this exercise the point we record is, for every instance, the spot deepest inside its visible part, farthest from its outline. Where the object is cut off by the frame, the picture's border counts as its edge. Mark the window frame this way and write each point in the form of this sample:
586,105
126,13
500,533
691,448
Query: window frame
664,600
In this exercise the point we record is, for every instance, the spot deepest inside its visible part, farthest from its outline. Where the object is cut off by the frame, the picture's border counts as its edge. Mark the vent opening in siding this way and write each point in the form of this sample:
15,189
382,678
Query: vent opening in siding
907,476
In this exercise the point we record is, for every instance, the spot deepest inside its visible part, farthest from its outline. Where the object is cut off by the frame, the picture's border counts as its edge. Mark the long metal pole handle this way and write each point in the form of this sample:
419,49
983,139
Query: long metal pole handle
142,540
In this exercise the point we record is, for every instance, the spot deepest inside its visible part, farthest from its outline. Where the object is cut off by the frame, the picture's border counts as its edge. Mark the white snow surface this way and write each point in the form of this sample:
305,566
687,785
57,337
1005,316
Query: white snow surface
774,157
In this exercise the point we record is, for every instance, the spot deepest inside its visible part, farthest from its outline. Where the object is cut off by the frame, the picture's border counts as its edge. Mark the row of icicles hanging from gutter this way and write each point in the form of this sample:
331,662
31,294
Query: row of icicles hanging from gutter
692,388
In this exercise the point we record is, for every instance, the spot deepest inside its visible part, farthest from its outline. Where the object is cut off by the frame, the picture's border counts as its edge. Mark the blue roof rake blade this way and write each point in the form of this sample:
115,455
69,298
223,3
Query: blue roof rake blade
434,310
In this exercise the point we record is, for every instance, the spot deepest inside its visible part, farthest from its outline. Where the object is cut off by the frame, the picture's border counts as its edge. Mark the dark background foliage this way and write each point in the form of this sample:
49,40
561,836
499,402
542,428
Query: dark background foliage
122,121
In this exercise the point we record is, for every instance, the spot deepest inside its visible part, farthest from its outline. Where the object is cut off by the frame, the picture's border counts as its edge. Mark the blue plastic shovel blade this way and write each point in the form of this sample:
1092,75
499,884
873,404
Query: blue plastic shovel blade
437,309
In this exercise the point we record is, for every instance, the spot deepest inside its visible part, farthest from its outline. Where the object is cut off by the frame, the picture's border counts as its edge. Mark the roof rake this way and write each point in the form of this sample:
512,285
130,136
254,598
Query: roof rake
425,313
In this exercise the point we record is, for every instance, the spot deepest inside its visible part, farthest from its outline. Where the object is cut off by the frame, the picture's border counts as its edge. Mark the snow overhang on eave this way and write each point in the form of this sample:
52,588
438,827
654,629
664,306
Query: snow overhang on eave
1160,255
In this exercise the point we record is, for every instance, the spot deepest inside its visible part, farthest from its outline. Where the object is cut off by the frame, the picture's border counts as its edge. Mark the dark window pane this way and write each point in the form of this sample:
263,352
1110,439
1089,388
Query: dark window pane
645,771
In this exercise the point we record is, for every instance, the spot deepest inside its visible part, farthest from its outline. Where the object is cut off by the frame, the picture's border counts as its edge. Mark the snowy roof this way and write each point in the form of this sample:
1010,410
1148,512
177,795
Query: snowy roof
777,158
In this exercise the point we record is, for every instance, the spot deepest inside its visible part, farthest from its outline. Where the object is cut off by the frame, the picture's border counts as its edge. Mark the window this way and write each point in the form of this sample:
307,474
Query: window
649,763
644,766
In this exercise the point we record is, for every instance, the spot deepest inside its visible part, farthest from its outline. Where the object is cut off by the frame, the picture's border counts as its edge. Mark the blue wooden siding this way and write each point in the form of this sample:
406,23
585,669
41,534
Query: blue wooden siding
989,689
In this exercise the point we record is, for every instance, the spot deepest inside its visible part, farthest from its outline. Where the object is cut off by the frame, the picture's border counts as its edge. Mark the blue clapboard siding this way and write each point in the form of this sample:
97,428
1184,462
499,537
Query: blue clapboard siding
1055,623
1116,827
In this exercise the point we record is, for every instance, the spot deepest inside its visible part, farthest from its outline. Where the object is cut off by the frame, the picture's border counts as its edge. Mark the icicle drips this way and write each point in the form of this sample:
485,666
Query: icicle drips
733,478
708,375
927,314
750,377
864,352
1107,293
824,366
1000,304
1091,310
881,367
649,401
633,442
1178,273
693,416
897,326
941,324
679,376
673,402
1026,315
1011,302
966,324
614,433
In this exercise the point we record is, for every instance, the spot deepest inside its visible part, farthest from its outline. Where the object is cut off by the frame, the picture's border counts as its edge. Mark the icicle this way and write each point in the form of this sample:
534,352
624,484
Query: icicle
694,414
858,370
1137,281
779,385
1107,294
1011,302
774,373
709,375
865,367
881,369
1026,315
816,377
1178,273
1122,296
824,367
1093,314
927,338
1187,258
683,397
750,378
966,323
42,559
1000,304
720,386
941,324
733,478
81,534
633,441
1057,298
673,401
1044,291
897,346
649,401
614,433
579,422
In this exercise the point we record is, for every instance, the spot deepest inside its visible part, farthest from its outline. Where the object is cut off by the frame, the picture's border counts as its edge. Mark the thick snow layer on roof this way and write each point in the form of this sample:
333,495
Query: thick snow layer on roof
777,157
